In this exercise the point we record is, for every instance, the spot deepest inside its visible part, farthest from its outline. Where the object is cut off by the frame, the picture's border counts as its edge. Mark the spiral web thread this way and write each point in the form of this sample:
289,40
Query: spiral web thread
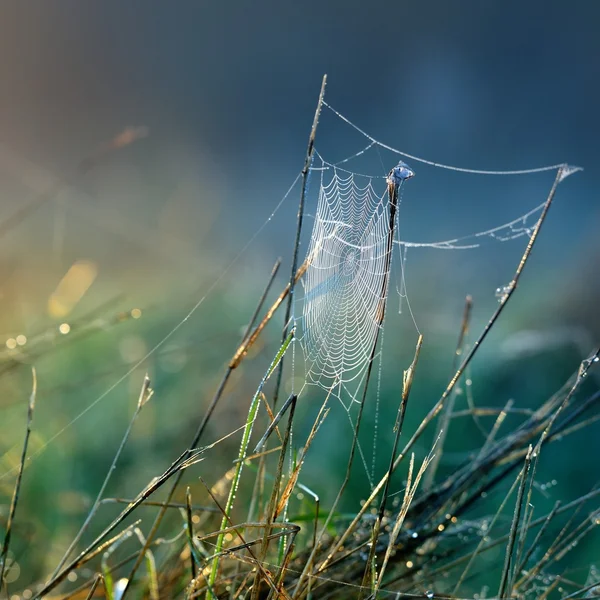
345,282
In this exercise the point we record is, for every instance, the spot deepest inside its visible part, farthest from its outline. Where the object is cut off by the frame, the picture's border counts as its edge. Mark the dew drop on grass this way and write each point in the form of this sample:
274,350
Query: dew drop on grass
567,170
119,588
502,292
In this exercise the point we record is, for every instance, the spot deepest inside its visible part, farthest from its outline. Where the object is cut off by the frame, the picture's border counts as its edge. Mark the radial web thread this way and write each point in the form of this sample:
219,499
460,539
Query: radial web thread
345,281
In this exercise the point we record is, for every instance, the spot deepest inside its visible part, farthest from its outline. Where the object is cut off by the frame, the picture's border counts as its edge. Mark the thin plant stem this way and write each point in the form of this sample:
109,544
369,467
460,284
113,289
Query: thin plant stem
262,299
177,505
406,387
274,422
145,394
304,186
506,578
97,581
270,513
409,495
75,593
475,553
444,423
190,530
535,544
595,586
15,497
288,529
249,340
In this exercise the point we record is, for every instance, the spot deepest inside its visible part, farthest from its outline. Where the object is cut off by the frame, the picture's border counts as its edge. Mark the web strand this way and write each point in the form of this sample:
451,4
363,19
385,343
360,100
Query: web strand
442,165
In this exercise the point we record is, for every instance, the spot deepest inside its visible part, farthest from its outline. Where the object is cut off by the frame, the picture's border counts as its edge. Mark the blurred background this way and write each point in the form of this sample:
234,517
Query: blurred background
105,246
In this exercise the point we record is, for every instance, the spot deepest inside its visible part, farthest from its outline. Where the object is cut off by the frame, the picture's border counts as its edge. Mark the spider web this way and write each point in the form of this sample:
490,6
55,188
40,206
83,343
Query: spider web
347,279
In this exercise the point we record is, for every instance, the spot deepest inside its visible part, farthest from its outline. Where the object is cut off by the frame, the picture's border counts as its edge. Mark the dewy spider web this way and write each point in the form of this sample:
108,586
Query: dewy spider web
348,266
345,282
